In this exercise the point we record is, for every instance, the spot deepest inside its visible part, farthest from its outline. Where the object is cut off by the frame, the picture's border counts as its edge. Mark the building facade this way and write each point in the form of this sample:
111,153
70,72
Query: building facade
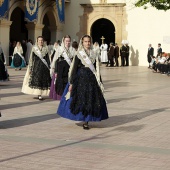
116,20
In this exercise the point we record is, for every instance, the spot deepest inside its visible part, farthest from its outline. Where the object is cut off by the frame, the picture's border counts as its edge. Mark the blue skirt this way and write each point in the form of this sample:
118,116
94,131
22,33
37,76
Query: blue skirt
65,111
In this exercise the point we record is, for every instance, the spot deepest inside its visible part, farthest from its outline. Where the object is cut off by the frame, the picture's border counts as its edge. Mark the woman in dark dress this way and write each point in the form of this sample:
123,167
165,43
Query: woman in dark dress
18,61
37,80
60,67
83,98
3,70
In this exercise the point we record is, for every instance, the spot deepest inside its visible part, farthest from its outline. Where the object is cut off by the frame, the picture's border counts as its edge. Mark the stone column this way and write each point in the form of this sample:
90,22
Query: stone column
118,34
59,32
5,37
53,30
34,30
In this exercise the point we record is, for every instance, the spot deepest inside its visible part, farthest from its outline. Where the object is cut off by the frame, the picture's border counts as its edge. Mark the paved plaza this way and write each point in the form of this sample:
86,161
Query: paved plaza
135,137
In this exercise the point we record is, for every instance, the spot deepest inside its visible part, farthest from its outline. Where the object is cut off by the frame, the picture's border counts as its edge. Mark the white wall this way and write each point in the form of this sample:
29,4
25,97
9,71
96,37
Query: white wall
145,27
72,12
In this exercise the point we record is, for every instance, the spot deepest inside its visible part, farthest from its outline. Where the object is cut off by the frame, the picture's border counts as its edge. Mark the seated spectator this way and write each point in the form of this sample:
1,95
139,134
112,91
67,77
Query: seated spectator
164,66
152,61
160,60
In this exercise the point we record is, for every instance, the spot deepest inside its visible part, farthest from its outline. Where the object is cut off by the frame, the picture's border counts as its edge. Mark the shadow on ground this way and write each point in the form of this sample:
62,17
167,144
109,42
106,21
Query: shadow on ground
116,84
114,121
26,121
109,101
11,94
15,105
111,122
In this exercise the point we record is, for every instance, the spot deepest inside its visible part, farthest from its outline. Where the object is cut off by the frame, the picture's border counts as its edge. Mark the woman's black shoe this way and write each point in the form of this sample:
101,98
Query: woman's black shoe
86,126
40,98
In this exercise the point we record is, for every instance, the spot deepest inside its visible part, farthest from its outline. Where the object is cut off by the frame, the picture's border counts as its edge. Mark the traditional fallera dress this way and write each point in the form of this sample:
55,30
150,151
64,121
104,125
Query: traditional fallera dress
59,70
18,60
86,101
37,79
3,71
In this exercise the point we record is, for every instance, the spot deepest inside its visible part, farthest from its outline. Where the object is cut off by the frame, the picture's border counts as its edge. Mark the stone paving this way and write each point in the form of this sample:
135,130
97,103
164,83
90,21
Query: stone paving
135,137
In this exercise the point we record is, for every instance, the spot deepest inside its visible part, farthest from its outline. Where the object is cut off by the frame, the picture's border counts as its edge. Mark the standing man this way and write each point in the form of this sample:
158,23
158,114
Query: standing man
116,54
24,47
127,54
159,50
150,54
111,54
123,51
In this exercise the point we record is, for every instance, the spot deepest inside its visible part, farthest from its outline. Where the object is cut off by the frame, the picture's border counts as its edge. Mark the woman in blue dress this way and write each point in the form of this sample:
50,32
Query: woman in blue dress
18,61
83,98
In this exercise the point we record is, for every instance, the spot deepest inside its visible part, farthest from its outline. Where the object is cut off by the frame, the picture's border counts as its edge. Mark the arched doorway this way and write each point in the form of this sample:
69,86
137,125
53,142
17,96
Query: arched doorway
46,31
49,20
103,27
18,30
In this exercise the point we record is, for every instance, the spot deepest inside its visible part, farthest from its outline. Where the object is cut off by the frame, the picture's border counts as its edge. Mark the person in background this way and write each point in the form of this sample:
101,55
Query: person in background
104,56
59,42
123,51
150,54
18,61
28,52
24,47
75,45
127,53
111,55
159,50
116,54
96,48
55,48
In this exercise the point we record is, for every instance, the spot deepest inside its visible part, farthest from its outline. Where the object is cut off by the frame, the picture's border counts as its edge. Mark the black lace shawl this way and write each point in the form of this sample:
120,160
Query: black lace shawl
86,94
40,74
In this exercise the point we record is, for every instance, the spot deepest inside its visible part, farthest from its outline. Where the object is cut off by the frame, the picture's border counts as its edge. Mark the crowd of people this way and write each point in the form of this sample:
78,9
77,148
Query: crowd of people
70,73
66,71
110,55
159,63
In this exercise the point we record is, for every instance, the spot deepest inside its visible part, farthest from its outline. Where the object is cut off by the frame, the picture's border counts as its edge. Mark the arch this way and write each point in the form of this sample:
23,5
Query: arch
52,15
46,33
18,30
103,27
92,20
14,6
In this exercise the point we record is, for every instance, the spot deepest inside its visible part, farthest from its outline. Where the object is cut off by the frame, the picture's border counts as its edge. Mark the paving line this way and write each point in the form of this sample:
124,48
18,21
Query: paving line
85,143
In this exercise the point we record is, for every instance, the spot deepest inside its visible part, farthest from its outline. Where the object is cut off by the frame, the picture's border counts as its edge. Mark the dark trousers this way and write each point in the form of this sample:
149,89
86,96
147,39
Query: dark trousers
164,68
116,61
10,60
154,66
168,68
127,59
122,60
111,61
